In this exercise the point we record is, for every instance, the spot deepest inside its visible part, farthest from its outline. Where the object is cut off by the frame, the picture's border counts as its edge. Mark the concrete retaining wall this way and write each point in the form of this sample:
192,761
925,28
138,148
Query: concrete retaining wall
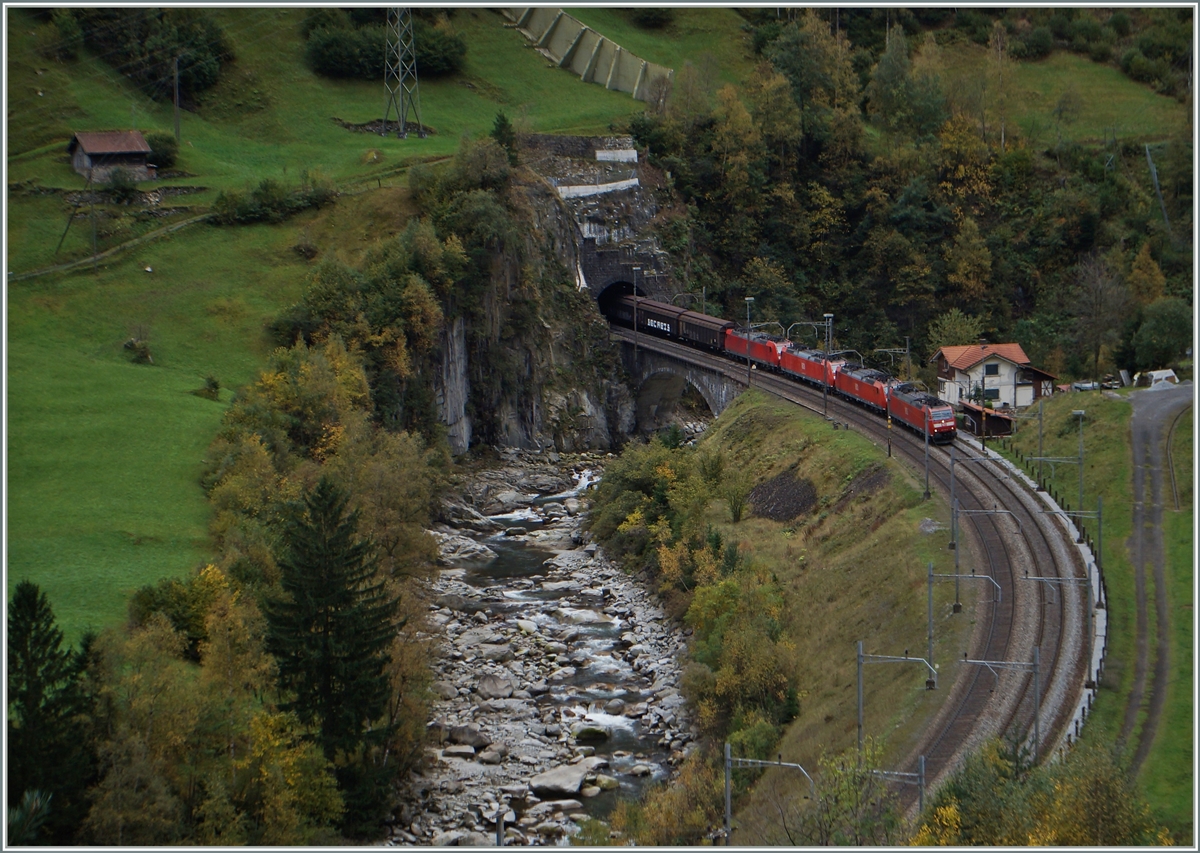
596,189
587,53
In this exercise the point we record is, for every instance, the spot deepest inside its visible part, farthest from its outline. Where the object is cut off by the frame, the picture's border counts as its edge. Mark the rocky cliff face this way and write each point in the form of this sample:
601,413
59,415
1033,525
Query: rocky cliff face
535,368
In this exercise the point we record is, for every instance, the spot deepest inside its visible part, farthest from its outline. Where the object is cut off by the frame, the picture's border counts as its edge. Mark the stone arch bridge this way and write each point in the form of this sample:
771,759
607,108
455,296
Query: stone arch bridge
660,378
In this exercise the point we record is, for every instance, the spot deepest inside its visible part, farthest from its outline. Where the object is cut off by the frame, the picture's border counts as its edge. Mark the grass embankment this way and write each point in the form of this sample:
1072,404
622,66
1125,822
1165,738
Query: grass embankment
853,568
1167,772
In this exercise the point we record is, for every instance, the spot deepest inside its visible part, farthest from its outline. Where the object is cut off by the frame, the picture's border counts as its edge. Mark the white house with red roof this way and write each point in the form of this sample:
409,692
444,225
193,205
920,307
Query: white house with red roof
999,373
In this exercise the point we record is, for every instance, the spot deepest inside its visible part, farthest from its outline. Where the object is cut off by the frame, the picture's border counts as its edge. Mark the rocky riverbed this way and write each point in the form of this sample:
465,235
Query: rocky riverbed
558,678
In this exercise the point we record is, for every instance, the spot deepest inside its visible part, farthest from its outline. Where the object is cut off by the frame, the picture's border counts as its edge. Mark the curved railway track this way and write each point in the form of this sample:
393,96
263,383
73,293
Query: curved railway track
1023,539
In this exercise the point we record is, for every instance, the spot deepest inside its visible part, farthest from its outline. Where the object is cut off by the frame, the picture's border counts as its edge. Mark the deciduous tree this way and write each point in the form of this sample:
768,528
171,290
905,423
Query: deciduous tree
1146,279
954,328
1100,302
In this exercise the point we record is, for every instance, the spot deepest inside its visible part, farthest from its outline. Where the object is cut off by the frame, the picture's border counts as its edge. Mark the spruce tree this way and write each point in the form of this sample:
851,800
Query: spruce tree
330,632
48,748
504,134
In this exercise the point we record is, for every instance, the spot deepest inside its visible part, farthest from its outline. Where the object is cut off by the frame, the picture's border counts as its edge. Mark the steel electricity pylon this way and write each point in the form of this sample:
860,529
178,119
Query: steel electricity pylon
400,75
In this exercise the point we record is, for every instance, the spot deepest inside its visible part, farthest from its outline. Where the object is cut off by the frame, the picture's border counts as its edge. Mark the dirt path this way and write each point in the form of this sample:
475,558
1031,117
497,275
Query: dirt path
1153,412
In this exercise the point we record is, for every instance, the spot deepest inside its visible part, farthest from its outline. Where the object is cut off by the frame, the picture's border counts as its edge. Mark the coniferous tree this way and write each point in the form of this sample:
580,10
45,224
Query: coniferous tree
47,745
506,136
331,632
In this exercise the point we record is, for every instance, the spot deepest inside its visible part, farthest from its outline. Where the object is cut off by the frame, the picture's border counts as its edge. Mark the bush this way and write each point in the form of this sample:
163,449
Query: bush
1143,69
143,44
164,149
1120,23
121,185
438,53
271,202
62,38
1038,44
1165,331
977,25
324,19
651,17
359,53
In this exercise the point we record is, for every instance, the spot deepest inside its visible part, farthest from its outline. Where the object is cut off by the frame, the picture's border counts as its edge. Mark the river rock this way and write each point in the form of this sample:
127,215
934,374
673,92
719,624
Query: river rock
490,756
572,506
589,791
640,770
459,750
590,732
615,707
448,839
470,735
453,549
559,586
561,675
499,652
527,626
606,783
558,782
459,603
484,635
444,689
494,687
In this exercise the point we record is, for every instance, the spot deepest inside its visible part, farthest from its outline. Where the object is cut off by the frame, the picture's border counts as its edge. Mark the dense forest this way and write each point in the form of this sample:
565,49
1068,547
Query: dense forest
872,182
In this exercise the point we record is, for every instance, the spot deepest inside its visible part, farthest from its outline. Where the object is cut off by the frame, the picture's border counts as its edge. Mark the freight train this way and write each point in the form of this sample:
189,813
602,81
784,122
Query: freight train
904,402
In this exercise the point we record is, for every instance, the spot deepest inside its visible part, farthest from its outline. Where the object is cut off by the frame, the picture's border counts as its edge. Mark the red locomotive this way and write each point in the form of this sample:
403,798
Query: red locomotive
904,402
921,411
758,347
810,366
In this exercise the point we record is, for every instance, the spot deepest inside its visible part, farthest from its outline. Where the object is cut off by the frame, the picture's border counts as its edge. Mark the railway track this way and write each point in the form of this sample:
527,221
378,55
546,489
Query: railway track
1018,537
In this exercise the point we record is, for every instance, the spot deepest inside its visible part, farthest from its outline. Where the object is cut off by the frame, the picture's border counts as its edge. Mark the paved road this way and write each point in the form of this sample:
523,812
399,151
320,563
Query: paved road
1153,412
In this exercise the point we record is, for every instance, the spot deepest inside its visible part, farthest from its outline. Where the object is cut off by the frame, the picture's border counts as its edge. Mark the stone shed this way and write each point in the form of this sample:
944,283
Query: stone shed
96,154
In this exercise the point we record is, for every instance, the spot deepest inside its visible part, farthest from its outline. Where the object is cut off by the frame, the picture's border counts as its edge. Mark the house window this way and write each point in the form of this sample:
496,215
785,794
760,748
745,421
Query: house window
991,370
991,393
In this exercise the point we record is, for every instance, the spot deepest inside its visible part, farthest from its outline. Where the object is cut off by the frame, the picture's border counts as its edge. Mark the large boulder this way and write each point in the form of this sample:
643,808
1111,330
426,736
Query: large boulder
590,732
454,549
495,687
559,782
469,735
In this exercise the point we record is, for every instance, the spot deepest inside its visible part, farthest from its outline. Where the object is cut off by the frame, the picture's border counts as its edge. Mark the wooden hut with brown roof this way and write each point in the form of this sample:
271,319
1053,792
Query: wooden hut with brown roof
96,154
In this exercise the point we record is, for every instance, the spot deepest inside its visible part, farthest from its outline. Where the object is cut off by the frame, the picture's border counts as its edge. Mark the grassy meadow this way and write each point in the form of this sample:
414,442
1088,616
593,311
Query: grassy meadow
855,568
1167,775
1108,102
